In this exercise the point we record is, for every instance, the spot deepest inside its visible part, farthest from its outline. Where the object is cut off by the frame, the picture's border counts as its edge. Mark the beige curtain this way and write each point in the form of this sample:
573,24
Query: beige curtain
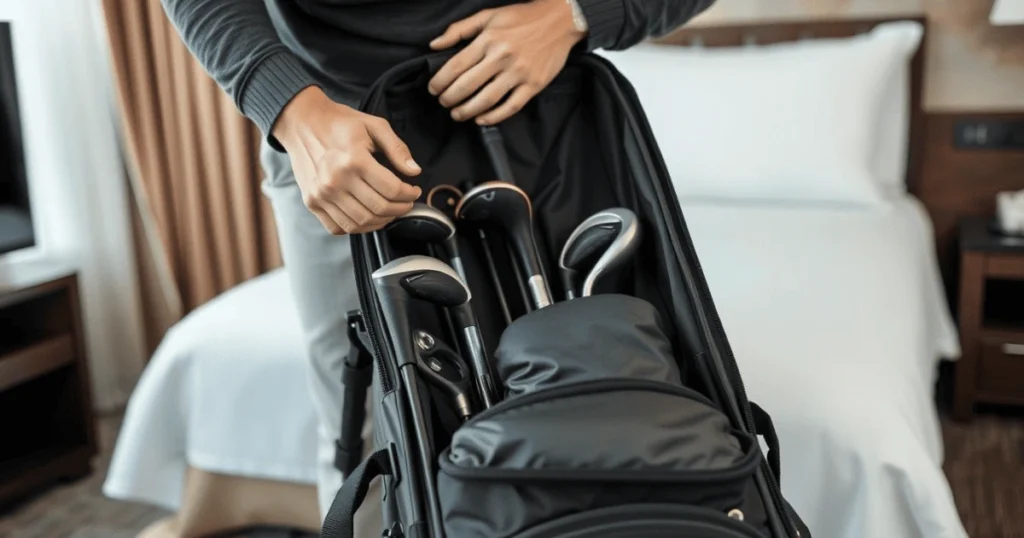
194,168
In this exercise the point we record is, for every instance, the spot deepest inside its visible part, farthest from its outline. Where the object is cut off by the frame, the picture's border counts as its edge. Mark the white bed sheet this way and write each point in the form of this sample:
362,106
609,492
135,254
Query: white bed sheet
837,319
226,392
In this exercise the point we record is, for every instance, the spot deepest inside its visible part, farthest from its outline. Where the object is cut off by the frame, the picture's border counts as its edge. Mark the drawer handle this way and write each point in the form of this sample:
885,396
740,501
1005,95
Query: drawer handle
1013,349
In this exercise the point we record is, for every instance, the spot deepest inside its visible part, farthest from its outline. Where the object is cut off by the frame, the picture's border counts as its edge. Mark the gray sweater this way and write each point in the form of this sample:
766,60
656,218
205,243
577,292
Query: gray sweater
263,52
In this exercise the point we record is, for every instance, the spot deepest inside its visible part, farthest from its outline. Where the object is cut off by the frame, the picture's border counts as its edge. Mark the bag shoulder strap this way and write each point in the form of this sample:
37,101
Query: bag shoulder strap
765,428
340,520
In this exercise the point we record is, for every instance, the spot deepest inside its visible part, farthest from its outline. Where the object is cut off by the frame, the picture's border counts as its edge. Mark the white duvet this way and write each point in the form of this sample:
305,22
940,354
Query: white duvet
836,317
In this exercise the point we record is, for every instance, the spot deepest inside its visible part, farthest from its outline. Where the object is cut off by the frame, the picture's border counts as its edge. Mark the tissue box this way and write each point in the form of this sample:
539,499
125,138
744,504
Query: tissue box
1010,212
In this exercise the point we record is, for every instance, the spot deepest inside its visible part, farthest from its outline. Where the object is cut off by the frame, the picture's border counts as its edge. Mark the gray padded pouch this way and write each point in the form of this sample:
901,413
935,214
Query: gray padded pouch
603,336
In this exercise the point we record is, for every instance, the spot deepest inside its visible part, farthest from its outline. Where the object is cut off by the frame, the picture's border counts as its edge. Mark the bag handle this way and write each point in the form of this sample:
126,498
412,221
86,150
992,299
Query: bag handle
765,428
340,519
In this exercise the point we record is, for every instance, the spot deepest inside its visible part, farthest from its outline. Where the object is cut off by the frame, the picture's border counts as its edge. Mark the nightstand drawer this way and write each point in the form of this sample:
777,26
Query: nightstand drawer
1002,365
998,265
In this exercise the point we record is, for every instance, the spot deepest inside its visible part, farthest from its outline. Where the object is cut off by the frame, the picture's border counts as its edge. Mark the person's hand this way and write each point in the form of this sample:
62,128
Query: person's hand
516,51
331,149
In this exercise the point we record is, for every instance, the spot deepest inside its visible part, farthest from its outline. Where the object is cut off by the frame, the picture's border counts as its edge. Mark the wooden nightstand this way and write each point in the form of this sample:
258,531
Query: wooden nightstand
47,431
991,315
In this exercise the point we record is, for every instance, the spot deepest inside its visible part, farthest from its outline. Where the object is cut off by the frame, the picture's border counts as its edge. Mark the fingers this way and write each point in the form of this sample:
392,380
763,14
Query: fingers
515,102
397,152
470,83
461,30
455,67
388,185
487,98
377,204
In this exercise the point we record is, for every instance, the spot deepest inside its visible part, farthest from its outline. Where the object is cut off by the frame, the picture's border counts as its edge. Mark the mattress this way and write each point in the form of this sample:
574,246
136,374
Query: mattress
225,392
837,319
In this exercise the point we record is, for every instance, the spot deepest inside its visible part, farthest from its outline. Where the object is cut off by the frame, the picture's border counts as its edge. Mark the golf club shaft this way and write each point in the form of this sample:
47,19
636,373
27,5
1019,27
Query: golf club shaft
449,323
528,302
479,363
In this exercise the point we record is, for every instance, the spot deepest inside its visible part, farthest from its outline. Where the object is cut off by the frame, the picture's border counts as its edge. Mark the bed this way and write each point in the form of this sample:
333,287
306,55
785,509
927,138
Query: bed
836,314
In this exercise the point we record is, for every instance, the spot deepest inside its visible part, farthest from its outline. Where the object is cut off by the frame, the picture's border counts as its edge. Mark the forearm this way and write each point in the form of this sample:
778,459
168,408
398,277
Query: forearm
237,45
620,24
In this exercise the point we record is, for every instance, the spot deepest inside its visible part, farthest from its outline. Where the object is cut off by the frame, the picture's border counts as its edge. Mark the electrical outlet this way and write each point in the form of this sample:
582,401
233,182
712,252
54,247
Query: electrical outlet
989,134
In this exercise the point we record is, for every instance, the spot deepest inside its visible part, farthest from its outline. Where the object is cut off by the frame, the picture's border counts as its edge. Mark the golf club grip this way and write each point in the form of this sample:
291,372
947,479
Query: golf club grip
494,144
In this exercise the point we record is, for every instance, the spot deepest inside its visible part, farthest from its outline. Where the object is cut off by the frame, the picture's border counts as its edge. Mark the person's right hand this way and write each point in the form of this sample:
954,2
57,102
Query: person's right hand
331,149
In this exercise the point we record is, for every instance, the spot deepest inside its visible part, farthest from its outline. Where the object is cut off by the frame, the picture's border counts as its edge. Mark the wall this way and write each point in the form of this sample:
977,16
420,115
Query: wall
971,65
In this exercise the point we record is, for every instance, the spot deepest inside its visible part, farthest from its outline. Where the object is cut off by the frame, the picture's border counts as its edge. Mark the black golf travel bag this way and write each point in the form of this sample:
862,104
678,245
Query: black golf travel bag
617,413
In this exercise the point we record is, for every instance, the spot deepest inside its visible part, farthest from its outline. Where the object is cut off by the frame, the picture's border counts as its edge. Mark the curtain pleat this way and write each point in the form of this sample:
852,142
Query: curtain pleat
195,159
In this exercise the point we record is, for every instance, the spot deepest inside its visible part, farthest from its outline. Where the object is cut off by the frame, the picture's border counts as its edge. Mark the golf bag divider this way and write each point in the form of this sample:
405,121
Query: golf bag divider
581,146
583,446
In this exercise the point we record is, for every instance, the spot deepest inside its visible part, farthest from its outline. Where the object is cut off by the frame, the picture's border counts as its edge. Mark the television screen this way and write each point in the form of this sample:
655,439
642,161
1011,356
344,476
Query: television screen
16,231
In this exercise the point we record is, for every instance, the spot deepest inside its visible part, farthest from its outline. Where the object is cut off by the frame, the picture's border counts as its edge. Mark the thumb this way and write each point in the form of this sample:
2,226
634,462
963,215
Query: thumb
397,152
462,30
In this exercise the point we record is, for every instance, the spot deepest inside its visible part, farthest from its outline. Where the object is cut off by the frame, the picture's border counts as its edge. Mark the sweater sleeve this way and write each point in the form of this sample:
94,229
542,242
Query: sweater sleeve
236,43
620,24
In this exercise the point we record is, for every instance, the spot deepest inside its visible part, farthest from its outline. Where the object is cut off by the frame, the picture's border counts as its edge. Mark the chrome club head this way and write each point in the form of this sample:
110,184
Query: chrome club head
424,223
614,233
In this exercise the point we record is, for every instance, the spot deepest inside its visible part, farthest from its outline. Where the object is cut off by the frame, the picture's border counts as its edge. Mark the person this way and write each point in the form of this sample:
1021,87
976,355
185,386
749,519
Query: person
297,68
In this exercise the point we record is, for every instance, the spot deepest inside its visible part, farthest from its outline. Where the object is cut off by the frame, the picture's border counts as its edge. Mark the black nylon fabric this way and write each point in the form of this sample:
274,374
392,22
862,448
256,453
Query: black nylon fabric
575,150
519,466
603,336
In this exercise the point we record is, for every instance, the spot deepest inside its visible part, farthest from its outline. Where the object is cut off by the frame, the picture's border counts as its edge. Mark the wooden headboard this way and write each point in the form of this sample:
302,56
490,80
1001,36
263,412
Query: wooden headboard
763,33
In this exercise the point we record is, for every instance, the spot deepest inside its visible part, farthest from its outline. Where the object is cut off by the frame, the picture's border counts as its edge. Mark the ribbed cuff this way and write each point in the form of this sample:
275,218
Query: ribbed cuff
604,20
271,84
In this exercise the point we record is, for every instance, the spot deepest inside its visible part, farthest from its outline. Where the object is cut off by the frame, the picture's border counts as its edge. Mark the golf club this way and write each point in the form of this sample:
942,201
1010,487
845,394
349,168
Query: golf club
445,198
428,225
445,369
431,280
394,302
613,232
508,207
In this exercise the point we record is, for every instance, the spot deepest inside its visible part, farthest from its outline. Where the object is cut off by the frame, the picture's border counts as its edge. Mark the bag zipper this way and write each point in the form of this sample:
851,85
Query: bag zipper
371,311
723,359
593,386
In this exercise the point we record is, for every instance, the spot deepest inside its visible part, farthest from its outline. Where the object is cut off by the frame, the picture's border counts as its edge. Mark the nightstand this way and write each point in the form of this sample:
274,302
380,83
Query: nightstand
47,433
991,316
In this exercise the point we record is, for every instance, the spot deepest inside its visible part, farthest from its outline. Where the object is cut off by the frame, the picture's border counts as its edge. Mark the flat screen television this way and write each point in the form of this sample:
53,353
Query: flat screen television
16,230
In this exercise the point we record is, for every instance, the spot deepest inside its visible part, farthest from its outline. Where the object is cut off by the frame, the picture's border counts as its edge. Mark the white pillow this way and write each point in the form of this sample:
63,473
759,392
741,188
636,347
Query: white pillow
787,122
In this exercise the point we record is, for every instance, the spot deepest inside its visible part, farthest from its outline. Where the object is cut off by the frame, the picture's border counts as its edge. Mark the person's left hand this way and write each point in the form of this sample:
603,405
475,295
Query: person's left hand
516,51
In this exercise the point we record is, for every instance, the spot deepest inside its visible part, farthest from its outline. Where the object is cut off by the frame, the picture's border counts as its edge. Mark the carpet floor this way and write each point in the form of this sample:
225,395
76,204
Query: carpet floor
984,463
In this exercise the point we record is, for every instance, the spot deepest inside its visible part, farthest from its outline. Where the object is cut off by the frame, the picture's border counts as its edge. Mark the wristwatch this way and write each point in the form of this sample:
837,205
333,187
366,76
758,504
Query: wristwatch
578,20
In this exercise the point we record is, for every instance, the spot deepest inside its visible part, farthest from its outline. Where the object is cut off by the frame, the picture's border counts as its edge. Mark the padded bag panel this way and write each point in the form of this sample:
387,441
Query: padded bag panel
603,336
550,453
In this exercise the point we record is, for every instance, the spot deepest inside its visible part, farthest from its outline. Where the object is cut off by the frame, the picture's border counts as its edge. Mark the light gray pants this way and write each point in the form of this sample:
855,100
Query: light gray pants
320,271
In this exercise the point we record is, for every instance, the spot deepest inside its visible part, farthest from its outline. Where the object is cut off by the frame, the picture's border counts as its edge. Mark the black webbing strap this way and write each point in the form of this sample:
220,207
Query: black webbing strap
340,520
356,377
765,428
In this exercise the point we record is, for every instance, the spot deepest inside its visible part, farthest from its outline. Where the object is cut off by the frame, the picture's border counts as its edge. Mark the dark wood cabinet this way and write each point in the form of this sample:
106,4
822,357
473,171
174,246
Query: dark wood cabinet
991,317
47,431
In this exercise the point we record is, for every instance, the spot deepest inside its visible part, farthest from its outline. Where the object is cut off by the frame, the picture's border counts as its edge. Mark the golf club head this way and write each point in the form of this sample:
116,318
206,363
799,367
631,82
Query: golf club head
430,225
419,277
444,198
585,243
508,207
444,368
614,231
